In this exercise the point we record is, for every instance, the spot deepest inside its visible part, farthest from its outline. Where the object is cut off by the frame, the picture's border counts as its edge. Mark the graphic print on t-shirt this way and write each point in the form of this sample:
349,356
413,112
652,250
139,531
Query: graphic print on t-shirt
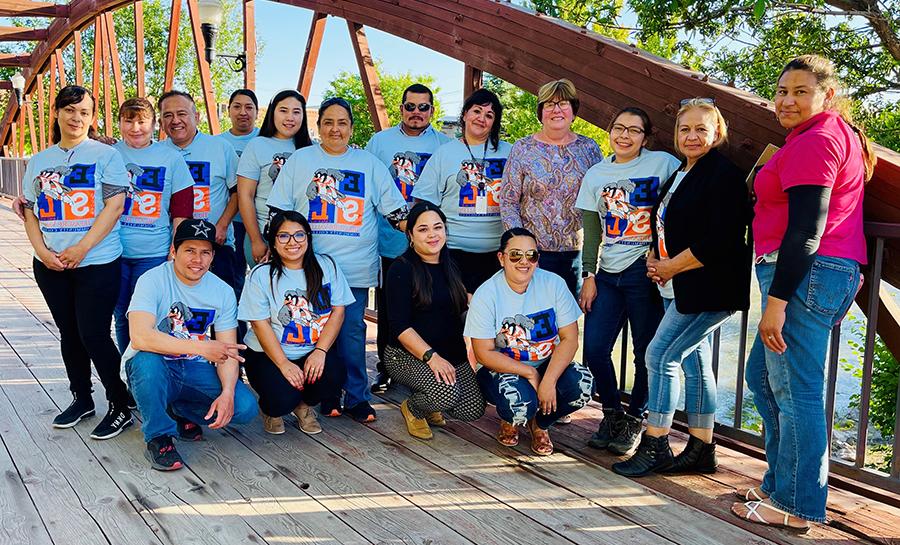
336,201
528,337
625,206
184,322
660,226
143,200
302,325
479,186
200,172
66,198
278,161
405,168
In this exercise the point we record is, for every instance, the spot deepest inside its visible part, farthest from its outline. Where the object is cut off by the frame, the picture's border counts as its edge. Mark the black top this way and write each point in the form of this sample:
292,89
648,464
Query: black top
807,216
437,324
710,214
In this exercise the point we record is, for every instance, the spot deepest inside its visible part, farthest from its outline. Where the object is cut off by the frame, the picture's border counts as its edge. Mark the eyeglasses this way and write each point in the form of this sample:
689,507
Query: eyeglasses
618,130
299,237
412,106
516,255
563,105
701,100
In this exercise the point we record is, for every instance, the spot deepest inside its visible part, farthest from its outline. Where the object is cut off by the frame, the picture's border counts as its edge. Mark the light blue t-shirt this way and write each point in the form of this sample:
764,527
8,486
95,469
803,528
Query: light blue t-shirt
239,143
341,196
156,172
524,326
468,192
213,166
296,322
405,156
66,187
262,161
183,311
624,194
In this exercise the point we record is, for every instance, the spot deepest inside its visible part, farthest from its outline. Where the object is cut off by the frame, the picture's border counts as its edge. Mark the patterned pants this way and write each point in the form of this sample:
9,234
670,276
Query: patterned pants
462,401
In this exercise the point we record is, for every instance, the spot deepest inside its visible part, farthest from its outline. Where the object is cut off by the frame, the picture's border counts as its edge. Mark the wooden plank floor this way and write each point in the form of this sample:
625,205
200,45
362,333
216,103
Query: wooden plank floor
352,484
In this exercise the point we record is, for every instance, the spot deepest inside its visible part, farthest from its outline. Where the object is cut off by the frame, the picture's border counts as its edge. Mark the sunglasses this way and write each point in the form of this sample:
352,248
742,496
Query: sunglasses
299,237
701,100
412,106
516,255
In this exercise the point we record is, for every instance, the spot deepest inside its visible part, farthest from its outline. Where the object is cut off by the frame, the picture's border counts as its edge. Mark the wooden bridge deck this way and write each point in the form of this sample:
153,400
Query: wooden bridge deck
352,484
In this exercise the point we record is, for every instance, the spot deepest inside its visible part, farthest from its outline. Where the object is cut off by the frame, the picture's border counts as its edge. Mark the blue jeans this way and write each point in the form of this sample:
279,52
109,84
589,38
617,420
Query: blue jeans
188,386
517,401
788,388
351,346
132,269
565,264
240,260
627,294
682,340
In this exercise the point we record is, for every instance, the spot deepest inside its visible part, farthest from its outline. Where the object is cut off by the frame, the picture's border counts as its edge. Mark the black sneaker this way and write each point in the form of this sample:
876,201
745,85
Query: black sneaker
82,407
361,412
627,435
382,383
115,422
606,431
188,431
162,454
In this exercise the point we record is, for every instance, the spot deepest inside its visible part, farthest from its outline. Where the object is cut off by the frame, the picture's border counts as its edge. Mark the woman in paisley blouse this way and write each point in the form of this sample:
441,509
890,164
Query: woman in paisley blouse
542,179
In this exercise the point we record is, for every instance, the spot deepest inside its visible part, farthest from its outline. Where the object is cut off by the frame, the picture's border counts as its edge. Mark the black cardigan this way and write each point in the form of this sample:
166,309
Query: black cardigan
710,214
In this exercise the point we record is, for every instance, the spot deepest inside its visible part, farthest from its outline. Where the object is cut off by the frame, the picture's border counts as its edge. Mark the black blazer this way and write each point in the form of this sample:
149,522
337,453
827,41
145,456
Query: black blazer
710,213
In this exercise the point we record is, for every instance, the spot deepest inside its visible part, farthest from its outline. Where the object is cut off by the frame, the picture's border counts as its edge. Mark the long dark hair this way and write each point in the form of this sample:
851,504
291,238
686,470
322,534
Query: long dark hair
301,139
319,298
421,280
483,97
71,94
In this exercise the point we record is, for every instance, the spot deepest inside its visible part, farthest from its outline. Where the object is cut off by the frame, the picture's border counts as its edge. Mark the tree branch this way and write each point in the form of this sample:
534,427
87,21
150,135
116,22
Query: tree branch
877,19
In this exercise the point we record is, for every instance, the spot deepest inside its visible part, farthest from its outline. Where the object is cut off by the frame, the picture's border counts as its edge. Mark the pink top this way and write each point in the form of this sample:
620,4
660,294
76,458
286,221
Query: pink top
824,150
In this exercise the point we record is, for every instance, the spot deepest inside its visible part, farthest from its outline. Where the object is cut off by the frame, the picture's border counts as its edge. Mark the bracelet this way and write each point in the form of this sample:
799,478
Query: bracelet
322,349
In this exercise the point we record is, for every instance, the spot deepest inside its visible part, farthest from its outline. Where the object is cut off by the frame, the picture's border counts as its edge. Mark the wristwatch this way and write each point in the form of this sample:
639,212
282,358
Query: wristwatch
586,274
428,355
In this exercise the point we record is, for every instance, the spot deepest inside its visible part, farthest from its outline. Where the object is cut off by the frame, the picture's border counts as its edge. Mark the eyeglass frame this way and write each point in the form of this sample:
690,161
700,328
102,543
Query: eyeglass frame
622,129
549,105
534,256
702,100
304,236
406,105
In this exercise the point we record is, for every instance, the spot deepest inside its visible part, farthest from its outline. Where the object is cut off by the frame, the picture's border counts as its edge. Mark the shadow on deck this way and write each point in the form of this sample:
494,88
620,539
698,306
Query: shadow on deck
350,484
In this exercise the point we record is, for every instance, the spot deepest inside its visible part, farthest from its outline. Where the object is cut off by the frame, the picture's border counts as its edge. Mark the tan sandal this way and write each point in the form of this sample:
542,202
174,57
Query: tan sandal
508,434
540,440
753,515
750,494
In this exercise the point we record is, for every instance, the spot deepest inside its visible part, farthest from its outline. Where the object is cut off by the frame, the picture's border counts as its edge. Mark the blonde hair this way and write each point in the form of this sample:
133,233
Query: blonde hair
706,105
561,89
823,70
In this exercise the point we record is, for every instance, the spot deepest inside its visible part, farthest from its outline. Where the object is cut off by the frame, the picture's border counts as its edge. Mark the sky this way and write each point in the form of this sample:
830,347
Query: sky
283,31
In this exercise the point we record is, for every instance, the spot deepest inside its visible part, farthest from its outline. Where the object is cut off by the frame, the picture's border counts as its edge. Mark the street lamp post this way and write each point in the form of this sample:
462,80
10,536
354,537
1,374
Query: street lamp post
210,20
18,85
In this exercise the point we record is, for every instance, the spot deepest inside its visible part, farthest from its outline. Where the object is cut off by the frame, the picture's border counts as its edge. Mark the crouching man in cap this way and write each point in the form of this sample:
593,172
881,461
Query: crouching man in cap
179,376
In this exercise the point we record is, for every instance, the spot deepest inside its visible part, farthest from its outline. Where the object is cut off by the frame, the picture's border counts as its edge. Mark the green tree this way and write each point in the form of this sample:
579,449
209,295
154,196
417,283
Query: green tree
348,86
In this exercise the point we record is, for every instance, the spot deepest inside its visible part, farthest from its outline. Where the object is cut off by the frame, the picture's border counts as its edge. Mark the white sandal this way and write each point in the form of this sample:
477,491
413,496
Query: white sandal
752,494
753,515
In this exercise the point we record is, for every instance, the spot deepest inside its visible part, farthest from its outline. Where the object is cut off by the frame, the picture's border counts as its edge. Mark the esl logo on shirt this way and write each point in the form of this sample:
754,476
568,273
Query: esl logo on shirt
336,201
528,337
406,167
200,174
479,191
66,197
626,206
144,202
184,322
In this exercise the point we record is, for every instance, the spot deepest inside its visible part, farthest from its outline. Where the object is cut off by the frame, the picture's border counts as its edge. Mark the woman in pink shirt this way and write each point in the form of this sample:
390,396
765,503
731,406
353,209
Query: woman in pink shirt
808,232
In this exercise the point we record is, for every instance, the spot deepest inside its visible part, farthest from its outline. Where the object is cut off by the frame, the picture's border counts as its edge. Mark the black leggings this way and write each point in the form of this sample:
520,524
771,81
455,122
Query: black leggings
276,395
462,401
82,301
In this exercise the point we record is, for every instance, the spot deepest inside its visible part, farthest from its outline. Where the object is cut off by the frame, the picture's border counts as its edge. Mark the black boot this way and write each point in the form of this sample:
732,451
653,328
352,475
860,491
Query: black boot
697,457
606,431
627,435
653,454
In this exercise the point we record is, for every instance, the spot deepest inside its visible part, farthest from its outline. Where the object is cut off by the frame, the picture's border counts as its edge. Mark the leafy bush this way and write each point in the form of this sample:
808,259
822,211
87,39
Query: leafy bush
885,374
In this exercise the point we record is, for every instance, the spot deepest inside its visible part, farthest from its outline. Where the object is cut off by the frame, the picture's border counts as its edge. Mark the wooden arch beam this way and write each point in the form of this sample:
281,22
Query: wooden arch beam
369,75
13,59
27,8
20,34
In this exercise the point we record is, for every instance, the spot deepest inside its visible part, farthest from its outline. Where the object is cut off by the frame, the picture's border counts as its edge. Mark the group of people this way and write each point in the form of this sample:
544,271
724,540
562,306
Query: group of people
484,256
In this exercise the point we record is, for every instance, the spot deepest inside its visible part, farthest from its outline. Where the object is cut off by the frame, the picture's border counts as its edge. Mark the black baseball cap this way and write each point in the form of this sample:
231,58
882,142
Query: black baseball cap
195,229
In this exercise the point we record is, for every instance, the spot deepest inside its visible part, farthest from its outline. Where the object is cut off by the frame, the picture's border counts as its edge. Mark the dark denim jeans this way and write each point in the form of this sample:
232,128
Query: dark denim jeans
565,264
132,269
351,348
788,388
189,386
625,295
517,401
